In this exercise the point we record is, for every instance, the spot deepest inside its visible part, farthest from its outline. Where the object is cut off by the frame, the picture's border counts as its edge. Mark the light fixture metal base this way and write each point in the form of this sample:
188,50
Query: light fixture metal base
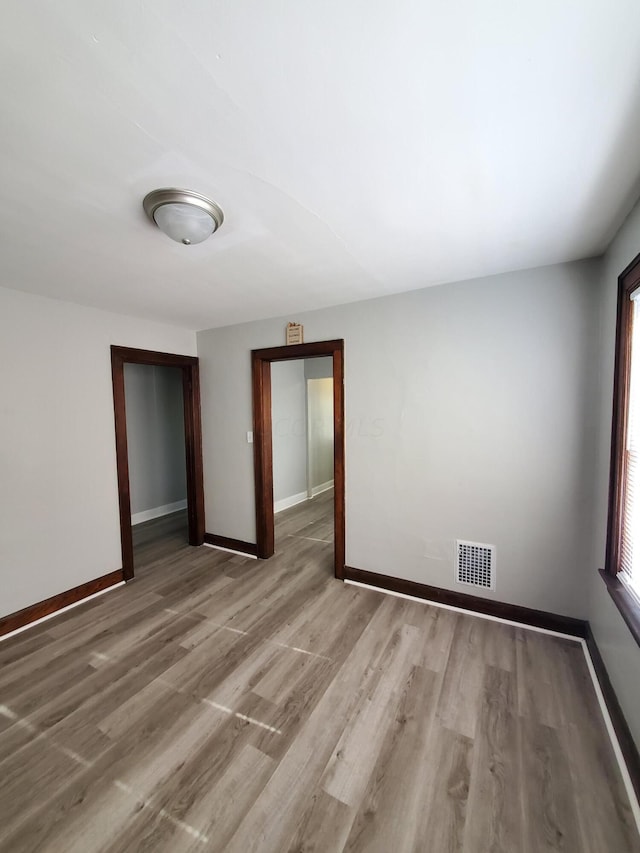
171,195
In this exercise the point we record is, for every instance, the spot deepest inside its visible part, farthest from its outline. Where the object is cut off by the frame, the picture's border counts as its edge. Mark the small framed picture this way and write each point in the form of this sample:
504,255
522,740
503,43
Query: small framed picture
295,333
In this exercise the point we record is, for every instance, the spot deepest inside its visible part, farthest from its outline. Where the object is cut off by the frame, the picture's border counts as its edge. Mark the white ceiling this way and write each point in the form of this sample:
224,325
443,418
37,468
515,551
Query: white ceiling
357,147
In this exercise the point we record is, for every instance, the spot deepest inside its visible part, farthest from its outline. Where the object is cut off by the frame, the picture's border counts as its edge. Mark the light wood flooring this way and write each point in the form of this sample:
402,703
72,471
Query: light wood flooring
158,538
311,521
218,703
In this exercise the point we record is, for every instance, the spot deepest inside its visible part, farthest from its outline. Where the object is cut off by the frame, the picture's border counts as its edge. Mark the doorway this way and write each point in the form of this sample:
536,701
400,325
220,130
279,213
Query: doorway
263,441
302,451
156,456
188,375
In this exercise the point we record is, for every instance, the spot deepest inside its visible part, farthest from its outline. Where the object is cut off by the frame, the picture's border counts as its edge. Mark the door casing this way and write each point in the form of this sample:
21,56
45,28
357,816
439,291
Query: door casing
261,360
192,439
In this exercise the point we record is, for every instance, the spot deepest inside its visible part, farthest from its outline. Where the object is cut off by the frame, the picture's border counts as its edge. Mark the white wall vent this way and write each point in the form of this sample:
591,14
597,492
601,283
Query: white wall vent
475,564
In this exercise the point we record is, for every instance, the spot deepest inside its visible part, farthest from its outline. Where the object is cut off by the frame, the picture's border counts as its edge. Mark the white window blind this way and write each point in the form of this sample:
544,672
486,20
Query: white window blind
630,546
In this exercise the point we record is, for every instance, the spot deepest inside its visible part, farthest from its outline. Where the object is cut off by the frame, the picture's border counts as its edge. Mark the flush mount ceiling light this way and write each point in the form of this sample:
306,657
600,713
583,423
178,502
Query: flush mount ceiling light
185,216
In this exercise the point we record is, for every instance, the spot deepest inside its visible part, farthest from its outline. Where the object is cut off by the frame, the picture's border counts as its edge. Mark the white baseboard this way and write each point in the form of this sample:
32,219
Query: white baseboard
323,487
229,551
613,737
285,503
157,511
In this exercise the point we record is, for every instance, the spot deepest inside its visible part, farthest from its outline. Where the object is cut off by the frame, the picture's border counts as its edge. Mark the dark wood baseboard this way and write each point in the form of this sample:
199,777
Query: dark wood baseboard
232,544
625,739
513,612
63,599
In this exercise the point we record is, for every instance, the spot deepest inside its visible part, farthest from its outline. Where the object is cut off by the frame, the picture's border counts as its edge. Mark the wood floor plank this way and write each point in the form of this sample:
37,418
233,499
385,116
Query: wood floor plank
132,712
324,825
33,772
437,626
442,823
494,808
347,773
217,809
537,678
550,819
23,646
388,816
331,621
459,703
287,667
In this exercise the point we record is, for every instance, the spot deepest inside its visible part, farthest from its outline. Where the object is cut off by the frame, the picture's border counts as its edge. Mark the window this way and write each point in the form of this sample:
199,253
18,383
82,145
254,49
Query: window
622,571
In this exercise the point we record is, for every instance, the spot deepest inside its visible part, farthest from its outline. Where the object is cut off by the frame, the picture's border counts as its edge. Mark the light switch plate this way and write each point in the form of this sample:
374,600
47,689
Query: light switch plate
250,437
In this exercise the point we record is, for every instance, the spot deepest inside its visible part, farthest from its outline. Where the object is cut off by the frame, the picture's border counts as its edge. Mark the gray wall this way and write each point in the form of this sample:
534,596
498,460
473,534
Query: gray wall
289,419
619,650
60,526
155,437
469,414
318,368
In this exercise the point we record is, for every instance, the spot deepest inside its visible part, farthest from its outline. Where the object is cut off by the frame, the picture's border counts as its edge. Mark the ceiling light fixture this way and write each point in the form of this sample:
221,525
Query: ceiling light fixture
185,216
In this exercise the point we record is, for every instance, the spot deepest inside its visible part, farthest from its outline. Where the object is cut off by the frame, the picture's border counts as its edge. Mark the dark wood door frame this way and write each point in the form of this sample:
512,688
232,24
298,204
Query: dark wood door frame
261,360
192,439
